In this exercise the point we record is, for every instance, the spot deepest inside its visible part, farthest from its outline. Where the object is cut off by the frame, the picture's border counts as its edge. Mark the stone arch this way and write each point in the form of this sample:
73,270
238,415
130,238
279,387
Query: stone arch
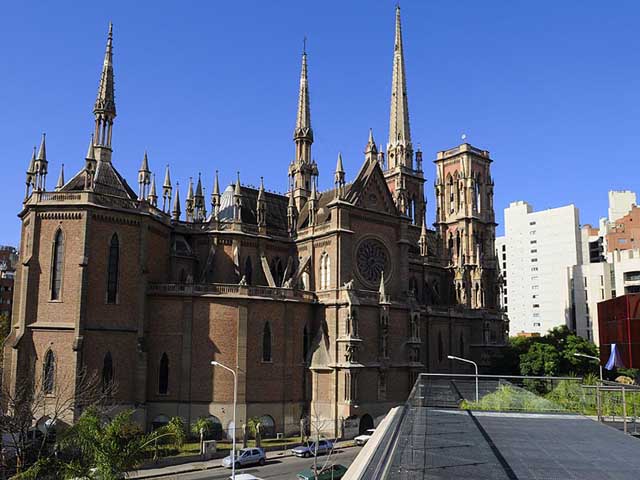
248,270
107,372
366,423
163,375
268,426
266,343
159,421
49,372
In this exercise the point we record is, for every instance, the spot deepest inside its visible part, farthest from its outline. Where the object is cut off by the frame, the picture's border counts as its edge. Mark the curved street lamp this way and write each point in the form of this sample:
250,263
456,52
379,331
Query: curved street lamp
235,399
453,357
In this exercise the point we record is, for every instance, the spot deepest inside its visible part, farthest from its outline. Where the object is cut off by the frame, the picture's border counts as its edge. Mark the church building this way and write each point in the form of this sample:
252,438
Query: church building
328,304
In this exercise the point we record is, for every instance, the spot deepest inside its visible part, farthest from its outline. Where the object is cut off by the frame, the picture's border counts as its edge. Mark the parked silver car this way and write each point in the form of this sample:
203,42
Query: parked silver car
309,450
246,456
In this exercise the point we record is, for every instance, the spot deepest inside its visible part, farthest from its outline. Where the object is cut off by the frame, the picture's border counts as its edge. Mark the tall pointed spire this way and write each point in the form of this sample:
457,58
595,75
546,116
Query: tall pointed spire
399,149
303,119
303,169
105,106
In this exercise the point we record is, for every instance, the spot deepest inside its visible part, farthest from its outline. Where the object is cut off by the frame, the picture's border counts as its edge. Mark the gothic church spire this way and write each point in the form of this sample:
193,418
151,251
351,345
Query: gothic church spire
399,149
105,106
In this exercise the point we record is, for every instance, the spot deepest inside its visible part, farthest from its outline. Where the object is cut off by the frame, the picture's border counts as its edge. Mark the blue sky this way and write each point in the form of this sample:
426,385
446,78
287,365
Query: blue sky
550,88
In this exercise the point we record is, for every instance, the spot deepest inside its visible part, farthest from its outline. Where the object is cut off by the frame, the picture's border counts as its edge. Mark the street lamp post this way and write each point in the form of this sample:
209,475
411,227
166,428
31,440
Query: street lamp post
452,357
592,358
235,399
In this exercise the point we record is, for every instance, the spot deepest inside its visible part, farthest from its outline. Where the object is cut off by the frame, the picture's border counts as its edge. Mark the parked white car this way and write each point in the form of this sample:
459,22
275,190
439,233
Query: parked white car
246,456
364,438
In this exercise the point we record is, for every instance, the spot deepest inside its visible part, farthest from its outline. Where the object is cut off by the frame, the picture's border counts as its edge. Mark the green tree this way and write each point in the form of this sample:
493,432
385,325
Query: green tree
542,359
107,450
176,430
201,427
572,364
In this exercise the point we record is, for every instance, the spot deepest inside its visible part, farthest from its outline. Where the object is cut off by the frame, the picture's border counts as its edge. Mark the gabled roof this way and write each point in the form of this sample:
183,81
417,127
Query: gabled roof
371,181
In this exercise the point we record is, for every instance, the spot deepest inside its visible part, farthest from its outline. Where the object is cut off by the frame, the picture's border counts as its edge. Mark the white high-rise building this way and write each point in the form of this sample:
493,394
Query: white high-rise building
620,203
535,255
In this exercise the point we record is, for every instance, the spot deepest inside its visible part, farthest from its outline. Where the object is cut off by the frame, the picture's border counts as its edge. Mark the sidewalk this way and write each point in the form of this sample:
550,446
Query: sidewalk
208,465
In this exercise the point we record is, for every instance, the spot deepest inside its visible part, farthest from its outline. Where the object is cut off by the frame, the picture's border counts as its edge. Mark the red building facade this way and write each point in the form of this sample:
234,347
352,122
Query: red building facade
619,321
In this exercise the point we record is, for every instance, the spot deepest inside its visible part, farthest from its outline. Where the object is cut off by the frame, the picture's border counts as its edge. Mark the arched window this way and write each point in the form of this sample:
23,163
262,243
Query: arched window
325,271
112,269
107,372
48,372
277,271
57,261
306,340
266,343
163,375
248,270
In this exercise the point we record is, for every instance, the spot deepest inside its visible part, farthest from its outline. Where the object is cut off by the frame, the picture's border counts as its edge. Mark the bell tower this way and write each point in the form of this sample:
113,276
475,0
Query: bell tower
465,222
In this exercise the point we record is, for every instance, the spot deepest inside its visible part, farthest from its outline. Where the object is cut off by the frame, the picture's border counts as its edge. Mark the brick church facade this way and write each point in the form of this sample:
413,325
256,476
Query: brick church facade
328,303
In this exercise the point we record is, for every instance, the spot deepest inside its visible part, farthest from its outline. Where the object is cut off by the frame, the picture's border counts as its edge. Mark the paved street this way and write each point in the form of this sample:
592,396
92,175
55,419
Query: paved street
281,468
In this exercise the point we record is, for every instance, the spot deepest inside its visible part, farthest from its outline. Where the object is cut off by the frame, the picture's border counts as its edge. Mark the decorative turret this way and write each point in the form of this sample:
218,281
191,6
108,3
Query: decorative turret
175,213
382,291
41,166
105,106
30,179
153,196
215,198
371,151
60,182
90,165
189,203
144,178
166,190
200,210
381,157
339,177
313,205
422,241
419,160
237,200
261,206
292,215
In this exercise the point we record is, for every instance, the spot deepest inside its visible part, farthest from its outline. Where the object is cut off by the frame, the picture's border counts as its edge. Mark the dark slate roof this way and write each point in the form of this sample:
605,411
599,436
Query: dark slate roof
276,207
107,181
